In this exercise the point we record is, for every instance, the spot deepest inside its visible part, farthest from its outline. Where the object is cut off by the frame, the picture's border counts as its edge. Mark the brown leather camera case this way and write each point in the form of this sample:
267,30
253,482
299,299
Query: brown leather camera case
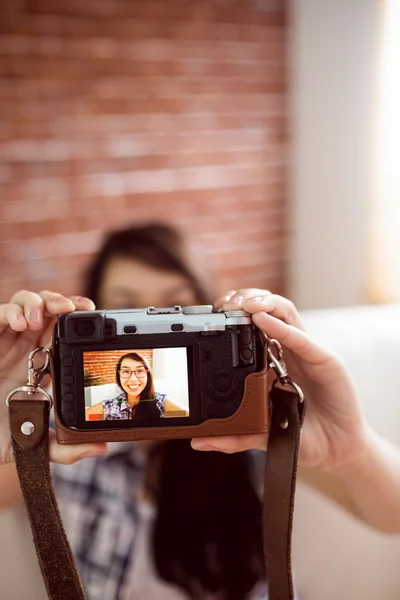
252,417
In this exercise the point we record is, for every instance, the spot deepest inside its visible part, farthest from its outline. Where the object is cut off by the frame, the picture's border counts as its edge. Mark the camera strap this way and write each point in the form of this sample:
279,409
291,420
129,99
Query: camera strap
29,425
287,408
279,491
31,453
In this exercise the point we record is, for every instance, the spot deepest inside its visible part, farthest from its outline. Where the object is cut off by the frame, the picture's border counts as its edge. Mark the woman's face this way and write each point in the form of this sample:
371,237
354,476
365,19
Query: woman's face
129,283
133,377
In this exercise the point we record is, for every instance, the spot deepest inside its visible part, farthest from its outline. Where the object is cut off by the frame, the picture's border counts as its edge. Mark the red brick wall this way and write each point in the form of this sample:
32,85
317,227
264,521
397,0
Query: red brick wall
118,111
101,366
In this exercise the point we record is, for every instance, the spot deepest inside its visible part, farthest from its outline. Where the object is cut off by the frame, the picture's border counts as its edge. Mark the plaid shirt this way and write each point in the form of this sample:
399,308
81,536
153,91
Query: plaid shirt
118,408
100,506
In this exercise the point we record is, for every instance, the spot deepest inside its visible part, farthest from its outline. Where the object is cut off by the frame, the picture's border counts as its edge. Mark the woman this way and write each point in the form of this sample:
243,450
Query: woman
203,507
138,399
162,497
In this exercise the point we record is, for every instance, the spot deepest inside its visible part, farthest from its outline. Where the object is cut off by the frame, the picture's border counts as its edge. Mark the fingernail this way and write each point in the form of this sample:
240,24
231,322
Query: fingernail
61,300
36,315
81,299
206,448
257,298
21,318
236,300
223,299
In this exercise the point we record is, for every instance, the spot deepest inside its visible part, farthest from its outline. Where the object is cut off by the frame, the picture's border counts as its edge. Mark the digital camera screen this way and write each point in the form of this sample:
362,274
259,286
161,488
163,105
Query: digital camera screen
136,384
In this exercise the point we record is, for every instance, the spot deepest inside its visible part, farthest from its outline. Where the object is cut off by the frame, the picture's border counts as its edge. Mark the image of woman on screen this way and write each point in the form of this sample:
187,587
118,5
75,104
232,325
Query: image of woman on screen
137,399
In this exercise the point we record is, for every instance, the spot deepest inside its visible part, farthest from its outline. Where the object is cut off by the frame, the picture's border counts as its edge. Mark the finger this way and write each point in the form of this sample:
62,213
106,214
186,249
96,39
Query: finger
33,308
224,298
82,303
230,444
236,301
275,305
292,338
56,304
67,455
12,315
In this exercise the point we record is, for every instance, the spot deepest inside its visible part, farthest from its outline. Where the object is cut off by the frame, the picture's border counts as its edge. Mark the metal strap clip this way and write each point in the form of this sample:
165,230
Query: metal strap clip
277,363
35,376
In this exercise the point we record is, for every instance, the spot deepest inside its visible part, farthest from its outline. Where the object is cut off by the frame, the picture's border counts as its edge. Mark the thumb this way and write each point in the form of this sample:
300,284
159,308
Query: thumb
67,455
230,444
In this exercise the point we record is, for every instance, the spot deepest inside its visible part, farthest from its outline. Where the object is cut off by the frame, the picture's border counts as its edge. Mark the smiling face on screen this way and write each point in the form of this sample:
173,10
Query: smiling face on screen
133,376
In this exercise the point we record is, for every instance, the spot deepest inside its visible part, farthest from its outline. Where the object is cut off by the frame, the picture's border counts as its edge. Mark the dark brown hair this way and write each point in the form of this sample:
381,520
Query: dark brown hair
207,535
148,391
155,244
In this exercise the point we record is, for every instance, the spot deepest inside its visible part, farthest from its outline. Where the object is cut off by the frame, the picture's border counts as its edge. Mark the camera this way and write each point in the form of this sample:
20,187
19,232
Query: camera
158,373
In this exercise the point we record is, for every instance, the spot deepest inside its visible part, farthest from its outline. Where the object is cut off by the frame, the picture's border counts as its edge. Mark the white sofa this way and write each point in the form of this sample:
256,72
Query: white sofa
335,557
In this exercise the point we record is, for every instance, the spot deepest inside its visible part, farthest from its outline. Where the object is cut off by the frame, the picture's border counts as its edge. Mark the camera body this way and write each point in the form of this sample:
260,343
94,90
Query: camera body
158,373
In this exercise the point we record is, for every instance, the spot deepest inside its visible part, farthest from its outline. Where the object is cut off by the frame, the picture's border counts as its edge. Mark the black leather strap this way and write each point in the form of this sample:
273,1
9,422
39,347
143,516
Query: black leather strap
279,490
32,460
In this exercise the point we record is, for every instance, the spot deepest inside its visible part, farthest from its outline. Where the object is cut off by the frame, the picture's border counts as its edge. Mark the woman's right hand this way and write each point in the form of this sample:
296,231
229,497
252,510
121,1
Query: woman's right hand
26,323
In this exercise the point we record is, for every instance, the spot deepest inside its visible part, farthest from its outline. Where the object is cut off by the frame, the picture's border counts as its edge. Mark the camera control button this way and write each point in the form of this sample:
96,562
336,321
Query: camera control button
69,397
223,385
68,361
246,337
130,329
70,415
68,379
236,313
246,354
213,382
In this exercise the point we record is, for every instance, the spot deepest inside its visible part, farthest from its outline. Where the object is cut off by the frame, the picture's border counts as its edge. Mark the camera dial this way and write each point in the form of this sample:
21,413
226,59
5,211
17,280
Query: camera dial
236,313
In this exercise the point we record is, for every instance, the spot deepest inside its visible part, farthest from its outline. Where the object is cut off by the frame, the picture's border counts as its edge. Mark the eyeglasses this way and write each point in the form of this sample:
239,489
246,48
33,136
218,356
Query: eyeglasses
140,373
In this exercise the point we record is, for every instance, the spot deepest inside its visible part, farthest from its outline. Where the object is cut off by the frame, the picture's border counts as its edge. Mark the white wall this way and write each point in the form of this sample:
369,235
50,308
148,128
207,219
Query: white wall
333,58
170,374
97,393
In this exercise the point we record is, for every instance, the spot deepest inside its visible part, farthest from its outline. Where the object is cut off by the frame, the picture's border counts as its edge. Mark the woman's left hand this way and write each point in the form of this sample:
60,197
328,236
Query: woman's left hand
335,430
